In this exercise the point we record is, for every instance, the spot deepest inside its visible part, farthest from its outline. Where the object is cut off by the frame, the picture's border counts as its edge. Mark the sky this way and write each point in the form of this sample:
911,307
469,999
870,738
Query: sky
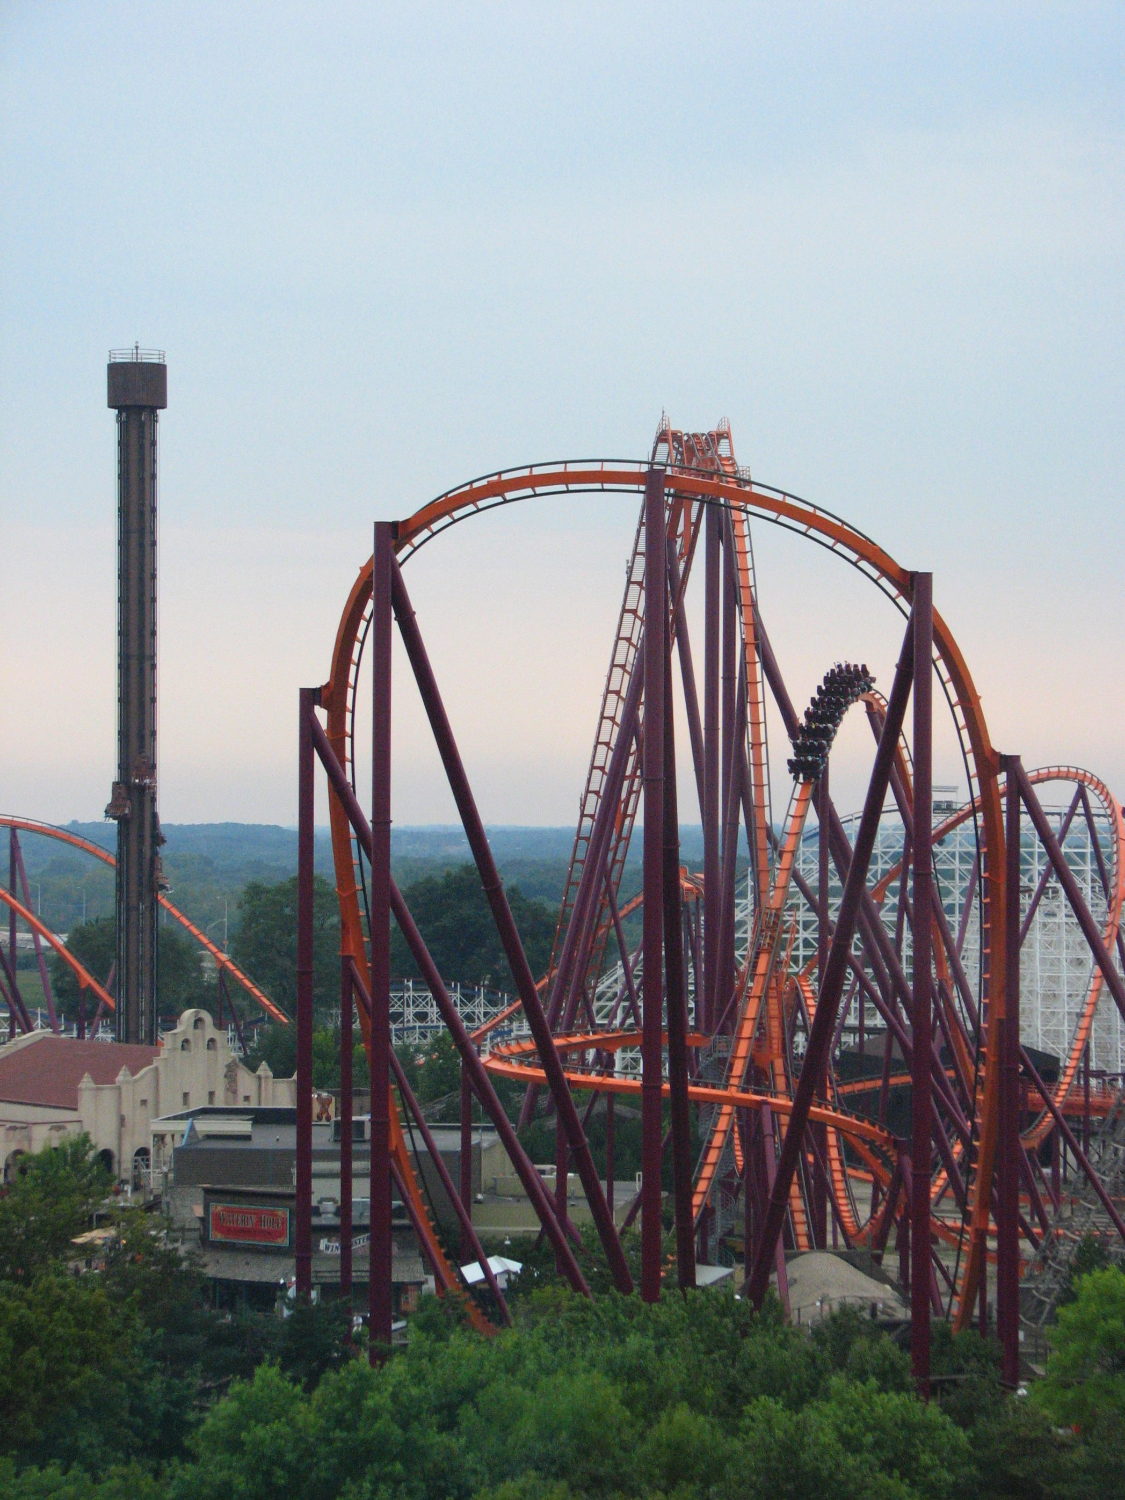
390,248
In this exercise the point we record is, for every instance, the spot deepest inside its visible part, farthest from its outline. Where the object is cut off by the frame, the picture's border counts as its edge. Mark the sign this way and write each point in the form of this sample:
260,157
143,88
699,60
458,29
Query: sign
241,1224
332,1247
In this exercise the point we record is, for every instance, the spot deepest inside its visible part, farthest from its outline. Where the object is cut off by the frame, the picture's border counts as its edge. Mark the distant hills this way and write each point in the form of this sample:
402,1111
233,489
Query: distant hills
208,864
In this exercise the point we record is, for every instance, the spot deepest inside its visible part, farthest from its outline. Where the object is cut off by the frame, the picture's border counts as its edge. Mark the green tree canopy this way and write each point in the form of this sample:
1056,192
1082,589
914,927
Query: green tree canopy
181,980
50,1199
94,945
456,923
265,942
1085,1380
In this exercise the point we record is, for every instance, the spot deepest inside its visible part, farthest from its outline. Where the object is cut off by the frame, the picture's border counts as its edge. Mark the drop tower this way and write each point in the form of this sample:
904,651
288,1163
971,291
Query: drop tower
138,392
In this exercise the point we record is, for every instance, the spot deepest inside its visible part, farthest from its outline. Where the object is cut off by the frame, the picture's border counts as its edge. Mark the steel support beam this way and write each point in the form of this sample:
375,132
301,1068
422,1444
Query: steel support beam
1008,1146
922,1019
677,1006
380,1297
465,1161
306,805
347,1133
652,986
712,904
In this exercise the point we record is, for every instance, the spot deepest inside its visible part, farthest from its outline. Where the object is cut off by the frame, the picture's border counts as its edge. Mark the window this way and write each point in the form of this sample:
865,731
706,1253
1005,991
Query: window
246,1098
212,1044
187,1098
185,1045
210,1096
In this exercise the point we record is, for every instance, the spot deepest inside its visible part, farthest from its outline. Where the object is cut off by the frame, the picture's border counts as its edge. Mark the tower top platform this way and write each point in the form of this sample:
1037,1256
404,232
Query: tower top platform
137,377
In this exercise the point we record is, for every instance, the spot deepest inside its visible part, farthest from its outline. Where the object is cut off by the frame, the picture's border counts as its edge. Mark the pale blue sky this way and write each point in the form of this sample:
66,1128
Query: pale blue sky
387,248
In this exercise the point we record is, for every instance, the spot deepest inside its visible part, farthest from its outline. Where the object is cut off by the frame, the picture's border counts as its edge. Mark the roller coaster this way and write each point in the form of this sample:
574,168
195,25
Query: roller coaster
787,1011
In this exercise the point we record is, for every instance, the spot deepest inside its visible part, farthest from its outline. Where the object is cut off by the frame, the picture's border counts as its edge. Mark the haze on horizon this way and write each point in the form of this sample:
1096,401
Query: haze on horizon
387,249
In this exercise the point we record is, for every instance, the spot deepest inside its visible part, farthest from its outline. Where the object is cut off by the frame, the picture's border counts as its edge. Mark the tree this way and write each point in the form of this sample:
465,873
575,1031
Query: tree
180,978
94,945
1085,1380
265,942
51,1199
456,923
276,1046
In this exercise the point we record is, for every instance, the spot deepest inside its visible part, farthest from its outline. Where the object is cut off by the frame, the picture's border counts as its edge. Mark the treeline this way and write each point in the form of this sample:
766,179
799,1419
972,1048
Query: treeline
450,909
122,1381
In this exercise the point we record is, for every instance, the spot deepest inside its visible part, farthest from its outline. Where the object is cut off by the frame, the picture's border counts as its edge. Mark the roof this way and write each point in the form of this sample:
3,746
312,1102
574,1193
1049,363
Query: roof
49,1070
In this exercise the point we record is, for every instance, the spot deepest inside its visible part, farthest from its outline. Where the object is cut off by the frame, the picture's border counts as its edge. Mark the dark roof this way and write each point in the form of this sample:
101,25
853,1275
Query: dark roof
260,1114
48,1070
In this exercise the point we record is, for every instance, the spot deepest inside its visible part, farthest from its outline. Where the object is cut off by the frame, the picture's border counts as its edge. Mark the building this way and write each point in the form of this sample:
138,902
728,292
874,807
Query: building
228,1182
52,1087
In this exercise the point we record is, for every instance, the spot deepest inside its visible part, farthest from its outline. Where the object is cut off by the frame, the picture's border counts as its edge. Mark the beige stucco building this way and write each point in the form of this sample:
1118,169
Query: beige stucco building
53,1086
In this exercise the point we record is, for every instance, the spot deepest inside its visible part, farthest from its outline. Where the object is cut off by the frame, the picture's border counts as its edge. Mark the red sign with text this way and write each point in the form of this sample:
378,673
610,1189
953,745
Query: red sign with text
249,1226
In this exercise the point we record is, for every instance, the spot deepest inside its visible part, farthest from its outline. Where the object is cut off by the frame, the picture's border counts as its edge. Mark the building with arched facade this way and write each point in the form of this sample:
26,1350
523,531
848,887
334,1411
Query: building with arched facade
53,1087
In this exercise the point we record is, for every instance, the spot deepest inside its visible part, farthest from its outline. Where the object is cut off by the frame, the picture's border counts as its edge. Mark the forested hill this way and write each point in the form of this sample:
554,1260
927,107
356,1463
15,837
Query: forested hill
208,864
247,850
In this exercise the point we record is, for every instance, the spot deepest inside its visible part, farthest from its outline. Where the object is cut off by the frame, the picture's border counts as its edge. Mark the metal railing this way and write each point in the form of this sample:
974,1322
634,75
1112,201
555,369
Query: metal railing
137,355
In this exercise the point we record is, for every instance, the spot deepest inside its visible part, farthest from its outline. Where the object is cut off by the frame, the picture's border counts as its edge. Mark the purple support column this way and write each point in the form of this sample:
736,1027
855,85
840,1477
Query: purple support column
466,1159
734,732
769,1160
922,1019
562,1174
819,1204
1008,1144
609,1144
825,1020
235,1022
652,989
12,888
379,1280
712,904
44,975
306,794
346,1132
687,673
676,1006
746,1125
